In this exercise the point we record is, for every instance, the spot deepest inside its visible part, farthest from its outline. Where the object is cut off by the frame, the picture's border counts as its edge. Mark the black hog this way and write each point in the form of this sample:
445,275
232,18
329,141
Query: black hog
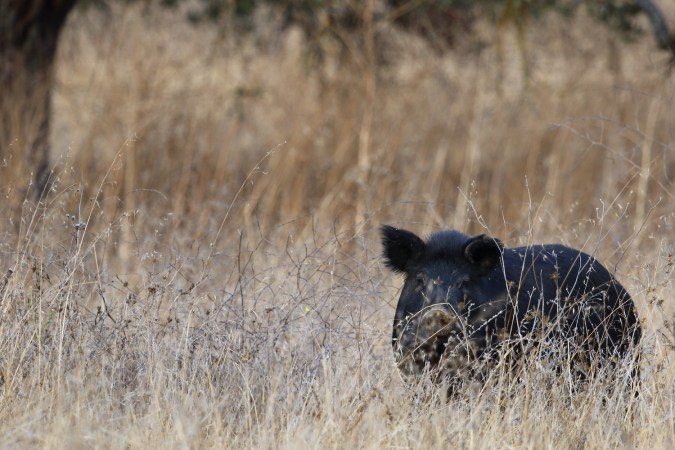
465,298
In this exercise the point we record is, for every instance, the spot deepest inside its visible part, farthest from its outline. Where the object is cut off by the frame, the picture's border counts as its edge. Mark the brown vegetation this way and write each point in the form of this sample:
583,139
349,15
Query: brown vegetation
205,270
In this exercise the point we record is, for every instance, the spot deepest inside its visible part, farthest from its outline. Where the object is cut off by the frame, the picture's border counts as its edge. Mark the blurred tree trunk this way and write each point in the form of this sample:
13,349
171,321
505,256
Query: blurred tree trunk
664,39
29,33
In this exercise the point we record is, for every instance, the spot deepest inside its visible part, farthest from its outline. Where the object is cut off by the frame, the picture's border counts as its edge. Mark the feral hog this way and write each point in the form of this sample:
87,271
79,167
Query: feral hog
466,298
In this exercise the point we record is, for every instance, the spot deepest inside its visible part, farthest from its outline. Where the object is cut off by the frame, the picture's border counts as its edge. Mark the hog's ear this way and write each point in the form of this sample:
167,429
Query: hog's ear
401,247
483,251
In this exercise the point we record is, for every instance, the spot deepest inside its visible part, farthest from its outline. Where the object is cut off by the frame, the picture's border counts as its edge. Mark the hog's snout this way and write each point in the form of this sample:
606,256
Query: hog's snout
437,321
423,338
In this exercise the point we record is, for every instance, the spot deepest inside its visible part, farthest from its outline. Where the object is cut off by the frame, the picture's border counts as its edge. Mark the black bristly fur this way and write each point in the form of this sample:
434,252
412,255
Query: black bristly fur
464,297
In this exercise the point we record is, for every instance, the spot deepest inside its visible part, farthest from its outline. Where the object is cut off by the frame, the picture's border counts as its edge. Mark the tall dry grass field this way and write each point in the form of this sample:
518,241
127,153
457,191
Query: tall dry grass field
205,271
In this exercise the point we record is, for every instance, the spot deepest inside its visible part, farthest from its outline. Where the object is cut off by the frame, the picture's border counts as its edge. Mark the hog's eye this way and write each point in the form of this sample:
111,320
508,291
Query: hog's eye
462,283
419,280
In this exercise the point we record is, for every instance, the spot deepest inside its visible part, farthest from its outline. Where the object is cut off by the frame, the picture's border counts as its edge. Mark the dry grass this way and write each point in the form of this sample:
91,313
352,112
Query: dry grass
227,290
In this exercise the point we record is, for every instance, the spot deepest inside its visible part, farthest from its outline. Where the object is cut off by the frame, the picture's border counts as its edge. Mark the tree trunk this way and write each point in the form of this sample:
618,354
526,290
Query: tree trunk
664,39
29,33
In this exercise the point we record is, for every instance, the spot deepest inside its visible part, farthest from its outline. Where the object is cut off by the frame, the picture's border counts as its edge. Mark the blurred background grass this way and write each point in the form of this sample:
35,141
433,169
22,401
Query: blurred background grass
227,286
187,112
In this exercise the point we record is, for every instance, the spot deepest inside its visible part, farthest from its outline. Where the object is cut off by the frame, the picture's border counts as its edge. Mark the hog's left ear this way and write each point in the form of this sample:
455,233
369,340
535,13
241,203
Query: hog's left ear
483,251
401,248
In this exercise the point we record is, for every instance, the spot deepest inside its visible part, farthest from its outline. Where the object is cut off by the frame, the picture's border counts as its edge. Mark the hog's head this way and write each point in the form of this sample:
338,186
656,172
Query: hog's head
453,293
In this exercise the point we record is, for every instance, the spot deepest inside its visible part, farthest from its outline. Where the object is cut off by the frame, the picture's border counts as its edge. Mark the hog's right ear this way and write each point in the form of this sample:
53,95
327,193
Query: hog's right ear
484,251
401,247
